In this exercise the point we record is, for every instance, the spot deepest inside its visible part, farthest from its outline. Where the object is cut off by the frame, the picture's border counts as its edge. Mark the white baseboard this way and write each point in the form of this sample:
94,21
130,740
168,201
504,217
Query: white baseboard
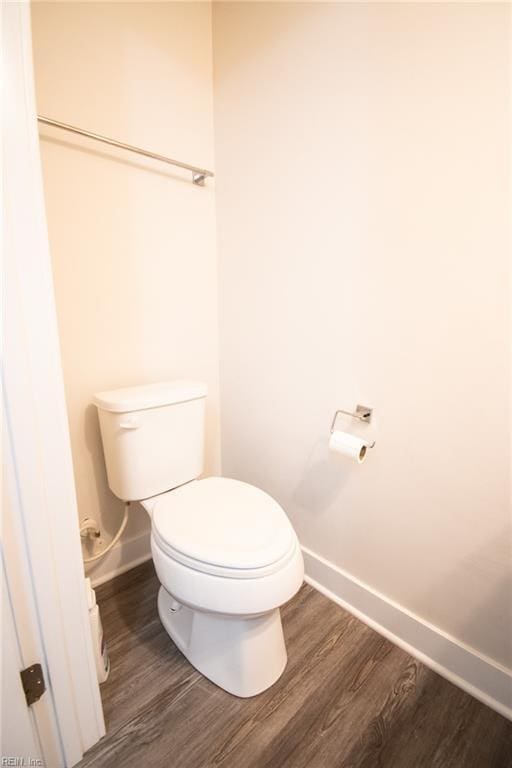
464,666
126,554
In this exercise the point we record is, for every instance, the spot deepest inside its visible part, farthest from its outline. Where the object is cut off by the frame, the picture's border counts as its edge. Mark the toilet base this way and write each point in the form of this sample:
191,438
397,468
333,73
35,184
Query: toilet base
242,655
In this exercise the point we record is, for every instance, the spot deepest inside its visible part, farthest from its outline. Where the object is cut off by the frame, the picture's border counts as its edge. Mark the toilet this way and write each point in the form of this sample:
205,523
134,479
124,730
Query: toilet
224,551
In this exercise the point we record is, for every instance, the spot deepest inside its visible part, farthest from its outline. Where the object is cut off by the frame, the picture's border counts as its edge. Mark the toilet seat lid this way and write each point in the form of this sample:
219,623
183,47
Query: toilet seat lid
225,523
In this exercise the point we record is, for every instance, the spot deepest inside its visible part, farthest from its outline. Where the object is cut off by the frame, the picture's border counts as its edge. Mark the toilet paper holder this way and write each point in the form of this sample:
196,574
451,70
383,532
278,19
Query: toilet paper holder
362,412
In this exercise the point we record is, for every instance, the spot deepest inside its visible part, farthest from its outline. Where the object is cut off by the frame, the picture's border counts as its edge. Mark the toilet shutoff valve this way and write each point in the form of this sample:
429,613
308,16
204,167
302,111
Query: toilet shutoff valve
89,527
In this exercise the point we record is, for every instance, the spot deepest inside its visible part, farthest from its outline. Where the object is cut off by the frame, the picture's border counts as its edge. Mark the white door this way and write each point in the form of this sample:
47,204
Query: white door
19,738
29,732
44,605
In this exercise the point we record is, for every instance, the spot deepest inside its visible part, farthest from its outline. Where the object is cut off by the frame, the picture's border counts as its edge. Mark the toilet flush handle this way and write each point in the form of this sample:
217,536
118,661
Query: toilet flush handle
129,424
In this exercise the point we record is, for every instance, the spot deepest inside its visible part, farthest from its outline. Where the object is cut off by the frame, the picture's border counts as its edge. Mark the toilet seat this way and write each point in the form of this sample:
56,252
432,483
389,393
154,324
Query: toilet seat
224,571
224,528
248,594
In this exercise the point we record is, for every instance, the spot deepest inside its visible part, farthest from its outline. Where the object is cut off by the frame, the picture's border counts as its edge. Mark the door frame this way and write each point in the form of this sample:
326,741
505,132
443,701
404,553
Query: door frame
40,537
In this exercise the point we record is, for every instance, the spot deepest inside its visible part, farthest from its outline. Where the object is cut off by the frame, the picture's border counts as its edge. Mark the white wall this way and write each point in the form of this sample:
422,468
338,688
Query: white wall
132,242
361,155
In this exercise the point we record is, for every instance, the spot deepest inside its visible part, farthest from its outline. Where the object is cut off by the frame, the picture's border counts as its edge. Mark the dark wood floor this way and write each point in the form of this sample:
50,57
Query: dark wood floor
348,697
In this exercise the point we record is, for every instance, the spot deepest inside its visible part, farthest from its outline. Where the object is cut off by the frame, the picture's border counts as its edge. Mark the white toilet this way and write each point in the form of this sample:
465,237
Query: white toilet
224,551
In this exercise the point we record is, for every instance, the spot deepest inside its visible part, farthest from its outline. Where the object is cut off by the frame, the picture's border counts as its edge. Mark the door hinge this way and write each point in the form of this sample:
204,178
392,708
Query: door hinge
33,683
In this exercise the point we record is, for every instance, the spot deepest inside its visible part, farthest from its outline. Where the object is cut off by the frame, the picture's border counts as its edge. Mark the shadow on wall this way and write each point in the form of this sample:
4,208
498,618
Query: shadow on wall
106,499
488,624
122,157
484,624
267,30
494,611
322,479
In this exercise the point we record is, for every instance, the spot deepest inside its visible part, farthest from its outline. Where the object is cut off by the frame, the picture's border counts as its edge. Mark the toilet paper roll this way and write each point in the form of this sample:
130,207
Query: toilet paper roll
348,445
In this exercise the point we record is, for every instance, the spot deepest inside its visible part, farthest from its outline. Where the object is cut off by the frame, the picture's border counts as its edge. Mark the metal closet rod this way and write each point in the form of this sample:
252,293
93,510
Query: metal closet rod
198,174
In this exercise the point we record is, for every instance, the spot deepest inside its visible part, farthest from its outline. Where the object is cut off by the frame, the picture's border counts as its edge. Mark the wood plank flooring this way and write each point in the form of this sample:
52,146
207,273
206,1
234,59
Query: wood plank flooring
347,699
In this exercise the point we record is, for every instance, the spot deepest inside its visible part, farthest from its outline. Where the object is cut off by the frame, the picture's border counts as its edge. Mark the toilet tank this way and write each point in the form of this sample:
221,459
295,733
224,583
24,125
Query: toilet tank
153,436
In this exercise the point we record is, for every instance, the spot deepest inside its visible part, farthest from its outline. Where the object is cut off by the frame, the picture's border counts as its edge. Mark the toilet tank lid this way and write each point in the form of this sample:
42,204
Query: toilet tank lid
150,395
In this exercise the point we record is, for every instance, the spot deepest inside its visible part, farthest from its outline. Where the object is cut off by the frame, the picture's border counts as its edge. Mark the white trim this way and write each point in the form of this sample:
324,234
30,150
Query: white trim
124,556
470,670
36,413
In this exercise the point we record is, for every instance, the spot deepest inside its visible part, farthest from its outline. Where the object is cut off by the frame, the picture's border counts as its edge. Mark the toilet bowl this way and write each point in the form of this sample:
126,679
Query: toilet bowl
227,559
224,551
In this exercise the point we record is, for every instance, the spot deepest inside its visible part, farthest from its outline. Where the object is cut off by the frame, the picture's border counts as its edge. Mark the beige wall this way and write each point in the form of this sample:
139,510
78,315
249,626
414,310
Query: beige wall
132,242
361,157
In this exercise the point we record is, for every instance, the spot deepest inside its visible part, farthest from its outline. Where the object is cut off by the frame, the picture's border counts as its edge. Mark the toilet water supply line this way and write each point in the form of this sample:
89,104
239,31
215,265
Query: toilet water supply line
114,540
